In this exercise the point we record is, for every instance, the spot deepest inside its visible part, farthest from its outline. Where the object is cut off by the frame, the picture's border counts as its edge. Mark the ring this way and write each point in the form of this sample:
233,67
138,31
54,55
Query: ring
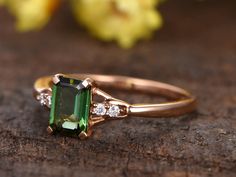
74,109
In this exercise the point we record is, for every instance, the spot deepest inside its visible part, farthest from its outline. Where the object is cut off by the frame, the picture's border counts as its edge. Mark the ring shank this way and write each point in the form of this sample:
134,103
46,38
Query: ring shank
183,102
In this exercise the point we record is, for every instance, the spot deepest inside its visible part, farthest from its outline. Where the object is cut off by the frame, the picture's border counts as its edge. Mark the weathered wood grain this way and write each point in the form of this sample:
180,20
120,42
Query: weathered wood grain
196,50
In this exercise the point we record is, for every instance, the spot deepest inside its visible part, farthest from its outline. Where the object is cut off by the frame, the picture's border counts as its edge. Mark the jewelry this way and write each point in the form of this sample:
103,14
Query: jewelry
74,109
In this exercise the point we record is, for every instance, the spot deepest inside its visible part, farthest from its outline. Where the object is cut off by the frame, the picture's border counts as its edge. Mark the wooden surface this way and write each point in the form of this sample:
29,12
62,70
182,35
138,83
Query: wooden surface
195,50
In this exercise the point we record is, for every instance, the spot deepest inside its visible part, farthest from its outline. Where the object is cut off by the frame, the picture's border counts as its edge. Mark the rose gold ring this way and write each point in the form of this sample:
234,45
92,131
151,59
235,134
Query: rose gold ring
74,109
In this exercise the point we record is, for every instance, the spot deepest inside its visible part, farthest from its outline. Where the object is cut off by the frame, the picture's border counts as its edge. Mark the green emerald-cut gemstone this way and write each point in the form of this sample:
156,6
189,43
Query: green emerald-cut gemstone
70,106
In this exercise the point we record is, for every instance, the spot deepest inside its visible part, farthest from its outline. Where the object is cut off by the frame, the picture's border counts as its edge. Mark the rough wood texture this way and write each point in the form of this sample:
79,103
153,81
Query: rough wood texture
196,50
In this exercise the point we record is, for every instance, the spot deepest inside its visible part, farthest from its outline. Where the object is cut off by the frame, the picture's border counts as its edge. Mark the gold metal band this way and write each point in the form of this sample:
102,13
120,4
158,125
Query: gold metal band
183,102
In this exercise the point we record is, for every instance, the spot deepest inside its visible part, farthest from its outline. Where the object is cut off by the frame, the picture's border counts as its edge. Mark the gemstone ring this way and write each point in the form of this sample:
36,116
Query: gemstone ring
74,109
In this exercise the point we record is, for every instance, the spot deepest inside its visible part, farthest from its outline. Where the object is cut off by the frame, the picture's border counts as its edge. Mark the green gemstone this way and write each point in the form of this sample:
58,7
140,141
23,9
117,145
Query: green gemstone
70,107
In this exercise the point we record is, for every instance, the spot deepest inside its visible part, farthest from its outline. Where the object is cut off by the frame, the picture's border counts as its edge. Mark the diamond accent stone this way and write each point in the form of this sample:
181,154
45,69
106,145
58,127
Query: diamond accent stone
114,111
45,99
100,109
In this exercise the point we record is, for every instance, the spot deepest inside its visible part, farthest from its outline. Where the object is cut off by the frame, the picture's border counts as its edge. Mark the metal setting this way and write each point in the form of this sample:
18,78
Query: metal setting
85,84
183,102
83,135
49,130
56,78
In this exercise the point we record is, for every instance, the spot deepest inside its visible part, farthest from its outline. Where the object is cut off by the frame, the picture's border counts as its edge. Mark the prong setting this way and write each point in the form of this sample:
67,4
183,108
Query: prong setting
56,78
87,83
83,135
49,130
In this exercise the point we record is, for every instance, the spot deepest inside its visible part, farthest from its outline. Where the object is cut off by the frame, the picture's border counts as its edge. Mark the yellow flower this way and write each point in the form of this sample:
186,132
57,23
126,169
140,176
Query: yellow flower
2,2
31,14
125,21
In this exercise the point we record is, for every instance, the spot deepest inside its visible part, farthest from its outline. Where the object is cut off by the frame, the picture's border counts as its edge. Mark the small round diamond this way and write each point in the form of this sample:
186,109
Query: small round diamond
114,111
44,99
100,109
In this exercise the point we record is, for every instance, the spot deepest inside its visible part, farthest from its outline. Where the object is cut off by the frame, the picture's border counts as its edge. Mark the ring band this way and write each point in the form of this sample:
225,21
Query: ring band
73,108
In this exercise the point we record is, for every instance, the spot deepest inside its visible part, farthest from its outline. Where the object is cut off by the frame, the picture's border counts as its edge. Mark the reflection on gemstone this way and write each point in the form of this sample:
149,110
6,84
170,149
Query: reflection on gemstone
70,125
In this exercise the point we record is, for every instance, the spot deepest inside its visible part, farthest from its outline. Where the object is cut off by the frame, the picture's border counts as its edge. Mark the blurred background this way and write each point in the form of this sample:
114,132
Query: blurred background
193,33
188,43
